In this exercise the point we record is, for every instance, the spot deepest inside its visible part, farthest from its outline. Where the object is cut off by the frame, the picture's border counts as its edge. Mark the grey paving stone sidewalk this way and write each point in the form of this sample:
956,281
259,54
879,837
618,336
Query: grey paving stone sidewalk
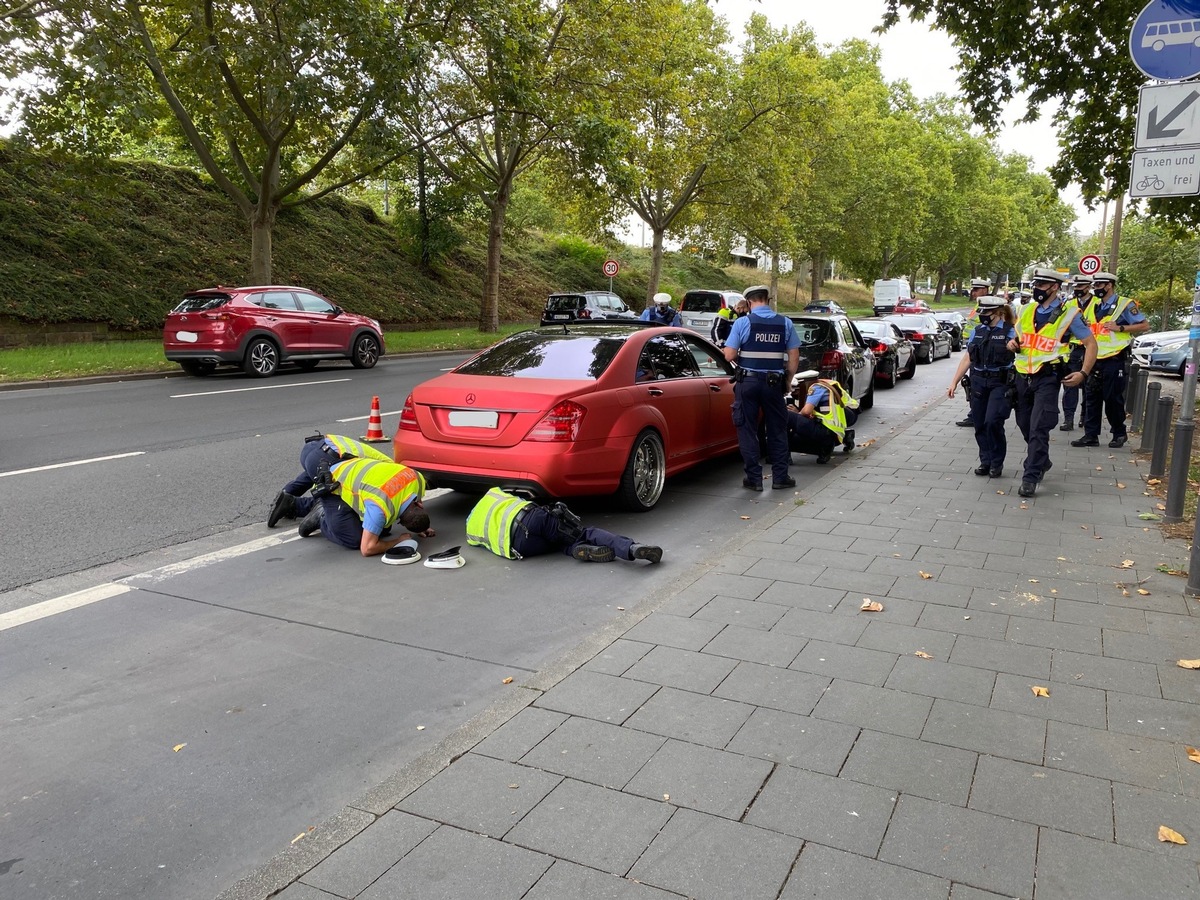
759,736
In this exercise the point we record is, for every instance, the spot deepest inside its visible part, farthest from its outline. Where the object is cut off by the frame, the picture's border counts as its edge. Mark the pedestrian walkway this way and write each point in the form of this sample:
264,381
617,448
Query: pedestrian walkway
1011,723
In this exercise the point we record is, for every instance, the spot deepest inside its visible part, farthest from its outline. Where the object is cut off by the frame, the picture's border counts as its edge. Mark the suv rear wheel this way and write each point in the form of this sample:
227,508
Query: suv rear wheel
262,358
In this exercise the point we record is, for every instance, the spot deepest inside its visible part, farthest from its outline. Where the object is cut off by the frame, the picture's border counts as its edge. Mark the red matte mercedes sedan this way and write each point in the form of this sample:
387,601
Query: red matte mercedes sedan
573,410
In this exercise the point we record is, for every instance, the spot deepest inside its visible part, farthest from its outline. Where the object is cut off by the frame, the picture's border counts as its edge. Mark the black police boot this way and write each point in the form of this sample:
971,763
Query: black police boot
1027,488
311,523
848,441
1086,441
593,553
996,471
751,485
1118,441
788,482
284,507
968,422
648,552
824,456
1067,426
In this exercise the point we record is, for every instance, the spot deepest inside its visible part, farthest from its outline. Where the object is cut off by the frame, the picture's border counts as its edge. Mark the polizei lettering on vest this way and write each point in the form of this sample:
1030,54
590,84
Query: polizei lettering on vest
771,338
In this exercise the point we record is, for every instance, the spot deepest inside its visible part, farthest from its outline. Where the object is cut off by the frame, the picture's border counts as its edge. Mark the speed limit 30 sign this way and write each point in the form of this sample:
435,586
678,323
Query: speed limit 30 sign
611,268
1089,265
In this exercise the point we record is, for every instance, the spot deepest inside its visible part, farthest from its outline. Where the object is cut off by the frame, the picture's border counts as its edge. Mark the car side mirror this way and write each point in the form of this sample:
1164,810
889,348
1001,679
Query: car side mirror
336,311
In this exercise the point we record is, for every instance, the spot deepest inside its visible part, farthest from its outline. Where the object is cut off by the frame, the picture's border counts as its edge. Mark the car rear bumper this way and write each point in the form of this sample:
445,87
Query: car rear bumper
216,357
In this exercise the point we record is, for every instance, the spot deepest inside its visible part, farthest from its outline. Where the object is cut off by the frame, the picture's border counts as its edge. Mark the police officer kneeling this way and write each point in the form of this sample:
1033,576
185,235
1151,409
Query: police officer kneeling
821,418
515,528
766,348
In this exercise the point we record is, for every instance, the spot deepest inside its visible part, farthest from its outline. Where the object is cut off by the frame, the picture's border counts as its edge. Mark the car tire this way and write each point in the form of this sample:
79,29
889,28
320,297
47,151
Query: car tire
1183,369
197,368
262,358
912,367
893,376
926,357
645,473
366,352
868,399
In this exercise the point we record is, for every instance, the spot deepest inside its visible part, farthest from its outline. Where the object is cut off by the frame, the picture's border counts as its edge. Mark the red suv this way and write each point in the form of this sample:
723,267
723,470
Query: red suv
258,328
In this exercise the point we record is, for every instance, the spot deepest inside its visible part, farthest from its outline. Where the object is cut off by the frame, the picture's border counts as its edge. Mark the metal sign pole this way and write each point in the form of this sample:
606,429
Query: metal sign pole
1181,453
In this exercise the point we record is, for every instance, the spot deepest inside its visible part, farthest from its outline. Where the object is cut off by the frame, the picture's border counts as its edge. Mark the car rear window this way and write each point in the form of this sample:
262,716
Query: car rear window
814,332
537,355
873,329
702,302
564,302
200,302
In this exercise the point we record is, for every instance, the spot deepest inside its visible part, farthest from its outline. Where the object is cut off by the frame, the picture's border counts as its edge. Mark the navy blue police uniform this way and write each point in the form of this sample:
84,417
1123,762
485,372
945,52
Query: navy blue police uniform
991,394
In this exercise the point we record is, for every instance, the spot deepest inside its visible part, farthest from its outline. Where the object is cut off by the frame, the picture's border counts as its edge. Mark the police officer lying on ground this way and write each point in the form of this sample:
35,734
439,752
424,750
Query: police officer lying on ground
514,528
819,413
319,453
360,502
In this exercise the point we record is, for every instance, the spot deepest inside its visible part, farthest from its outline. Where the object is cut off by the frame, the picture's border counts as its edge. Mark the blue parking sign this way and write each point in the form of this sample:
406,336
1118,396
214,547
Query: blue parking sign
1165,39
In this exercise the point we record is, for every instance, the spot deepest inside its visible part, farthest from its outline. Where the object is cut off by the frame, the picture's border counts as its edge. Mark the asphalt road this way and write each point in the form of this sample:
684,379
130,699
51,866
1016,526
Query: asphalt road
233,686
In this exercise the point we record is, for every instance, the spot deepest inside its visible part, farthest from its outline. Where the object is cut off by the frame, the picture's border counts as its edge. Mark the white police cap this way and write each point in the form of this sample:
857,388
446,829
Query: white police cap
751,293
662,298
981,283
1043,273
990,301
1104,276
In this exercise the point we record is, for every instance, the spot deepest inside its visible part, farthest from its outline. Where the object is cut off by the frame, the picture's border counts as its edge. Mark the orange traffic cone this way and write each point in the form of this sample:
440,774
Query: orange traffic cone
374,433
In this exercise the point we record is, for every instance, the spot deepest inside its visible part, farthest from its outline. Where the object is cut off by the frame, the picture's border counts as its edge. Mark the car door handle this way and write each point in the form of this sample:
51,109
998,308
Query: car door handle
654,392
715,388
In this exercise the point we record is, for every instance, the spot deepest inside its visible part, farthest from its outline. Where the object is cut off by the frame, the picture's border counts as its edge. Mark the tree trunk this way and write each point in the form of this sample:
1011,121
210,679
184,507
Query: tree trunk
1118,214
656,261
489,313
1167,302
818,268
262,221
937,295
775,277
423,212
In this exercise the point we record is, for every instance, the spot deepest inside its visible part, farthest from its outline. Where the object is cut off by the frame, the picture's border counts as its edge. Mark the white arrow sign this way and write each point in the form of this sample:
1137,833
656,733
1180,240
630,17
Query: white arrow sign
1168,116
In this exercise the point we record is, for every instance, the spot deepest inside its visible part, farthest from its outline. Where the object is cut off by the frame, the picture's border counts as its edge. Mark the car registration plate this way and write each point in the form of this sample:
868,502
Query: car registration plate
188,337
561,317
474,418
696,323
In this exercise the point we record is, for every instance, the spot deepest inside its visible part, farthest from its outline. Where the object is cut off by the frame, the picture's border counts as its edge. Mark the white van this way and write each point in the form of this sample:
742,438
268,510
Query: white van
888,293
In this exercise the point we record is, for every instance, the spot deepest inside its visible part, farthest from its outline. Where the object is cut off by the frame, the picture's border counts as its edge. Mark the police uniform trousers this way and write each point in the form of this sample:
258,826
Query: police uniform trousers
751,396
536,532
313,456
1071,395
340,523
990,407
807,435
1037,414
1106,394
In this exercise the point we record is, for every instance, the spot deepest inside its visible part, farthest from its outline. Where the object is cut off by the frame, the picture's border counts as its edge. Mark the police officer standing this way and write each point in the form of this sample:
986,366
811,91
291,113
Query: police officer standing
992,380
1070,396
979,288
661,312
766,348
1041,330
1113,321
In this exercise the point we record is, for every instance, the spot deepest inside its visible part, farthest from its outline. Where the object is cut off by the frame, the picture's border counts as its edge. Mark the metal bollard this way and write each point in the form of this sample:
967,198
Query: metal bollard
1137,395
1152,392
1162,435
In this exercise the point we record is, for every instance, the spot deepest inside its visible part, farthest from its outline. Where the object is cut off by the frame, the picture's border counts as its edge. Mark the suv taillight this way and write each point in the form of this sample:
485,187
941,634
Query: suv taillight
585,313
560,424
831,359
408,416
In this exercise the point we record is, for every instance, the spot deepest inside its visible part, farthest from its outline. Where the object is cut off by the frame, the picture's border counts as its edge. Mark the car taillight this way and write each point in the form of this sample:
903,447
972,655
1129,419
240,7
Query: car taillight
879,347
560,424
917,336
831,359
217,316
408,416
585,314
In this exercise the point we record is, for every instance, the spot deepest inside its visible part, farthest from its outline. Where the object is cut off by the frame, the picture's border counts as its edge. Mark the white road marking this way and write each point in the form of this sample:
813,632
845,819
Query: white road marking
67,602
394,412
78,462
264,387
162,573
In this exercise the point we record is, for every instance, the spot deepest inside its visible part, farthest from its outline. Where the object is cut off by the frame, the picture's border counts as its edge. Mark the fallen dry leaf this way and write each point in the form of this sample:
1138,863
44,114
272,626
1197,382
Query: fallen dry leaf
871,605
1189,663
744,518
924,575
1154,481
621,608
297,837
1061,558
1170,835
178,747
1124,593
1098,469
1033,581
1039,691
1127,564
420,728
867,443
507,680
922,654
666,796
1054,590
514,786
1160,506
1193,754
1120,486
1143,592
1001,493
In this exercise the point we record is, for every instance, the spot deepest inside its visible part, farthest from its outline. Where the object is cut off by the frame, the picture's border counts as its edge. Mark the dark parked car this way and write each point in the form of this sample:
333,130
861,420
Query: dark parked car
927,336
258,328
895,356
824,306
568,307
954,324
833,346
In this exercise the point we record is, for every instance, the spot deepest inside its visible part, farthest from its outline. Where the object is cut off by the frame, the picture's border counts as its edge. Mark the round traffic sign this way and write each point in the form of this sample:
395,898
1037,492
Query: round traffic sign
1164,40
1089,265
611,267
